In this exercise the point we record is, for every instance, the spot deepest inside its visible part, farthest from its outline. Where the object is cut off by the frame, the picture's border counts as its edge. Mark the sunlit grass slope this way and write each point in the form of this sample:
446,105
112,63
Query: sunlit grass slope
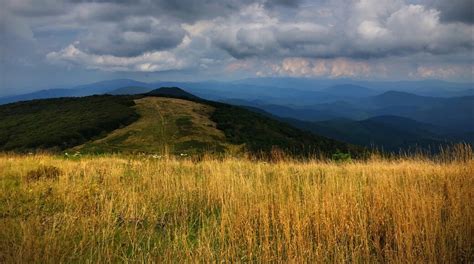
166,125
116,209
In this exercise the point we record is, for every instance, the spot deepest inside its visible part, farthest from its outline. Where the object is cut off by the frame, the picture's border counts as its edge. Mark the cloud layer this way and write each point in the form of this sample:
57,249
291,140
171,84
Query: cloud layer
322,38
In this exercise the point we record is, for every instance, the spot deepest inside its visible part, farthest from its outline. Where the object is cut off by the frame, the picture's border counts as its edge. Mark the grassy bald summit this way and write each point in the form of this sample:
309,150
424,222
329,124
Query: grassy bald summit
166,120
166,125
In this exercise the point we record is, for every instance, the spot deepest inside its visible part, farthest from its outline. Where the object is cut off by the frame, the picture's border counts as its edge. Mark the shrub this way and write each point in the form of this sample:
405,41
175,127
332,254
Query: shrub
341,157
43,172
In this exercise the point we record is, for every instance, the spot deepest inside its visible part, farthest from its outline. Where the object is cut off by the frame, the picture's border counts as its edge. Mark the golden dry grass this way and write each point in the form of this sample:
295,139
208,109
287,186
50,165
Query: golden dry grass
118,209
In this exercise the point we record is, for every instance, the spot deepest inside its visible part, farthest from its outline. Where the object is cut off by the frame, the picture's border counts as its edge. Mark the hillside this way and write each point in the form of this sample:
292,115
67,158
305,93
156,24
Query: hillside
453,115
390,133
62,123
153,123
261,133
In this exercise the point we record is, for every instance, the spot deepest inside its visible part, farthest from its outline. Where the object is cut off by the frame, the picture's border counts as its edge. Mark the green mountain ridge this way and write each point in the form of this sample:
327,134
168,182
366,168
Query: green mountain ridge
389,133
166,120
62,123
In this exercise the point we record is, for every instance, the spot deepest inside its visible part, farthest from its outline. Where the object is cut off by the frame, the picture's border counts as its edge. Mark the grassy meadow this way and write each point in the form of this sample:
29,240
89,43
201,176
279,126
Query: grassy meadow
139,209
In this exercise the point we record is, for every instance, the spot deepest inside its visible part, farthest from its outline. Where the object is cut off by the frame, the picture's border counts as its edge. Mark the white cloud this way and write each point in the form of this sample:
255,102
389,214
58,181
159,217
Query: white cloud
442,71
372,30
334,68
148,62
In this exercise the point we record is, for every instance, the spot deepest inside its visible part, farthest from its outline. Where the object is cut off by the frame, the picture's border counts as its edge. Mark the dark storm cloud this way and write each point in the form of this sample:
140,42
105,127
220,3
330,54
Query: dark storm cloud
185,10
106,1
133,37
456,10
287,3
30,8
105,25
189,10
285,40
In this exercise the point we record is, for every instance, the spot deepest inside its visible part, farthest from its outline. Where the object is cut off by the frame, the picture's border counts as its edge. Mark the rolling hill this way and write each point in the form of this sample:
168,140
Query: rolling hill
390,133
157,122
455,114
349,91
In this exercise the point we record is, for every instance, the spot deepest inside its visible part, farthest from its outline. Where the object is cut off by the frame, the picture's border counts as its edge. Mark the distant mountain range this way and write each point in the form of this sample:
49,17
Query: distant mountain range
449,114
436,88
389,133
392,115
283,91
81,90
349,91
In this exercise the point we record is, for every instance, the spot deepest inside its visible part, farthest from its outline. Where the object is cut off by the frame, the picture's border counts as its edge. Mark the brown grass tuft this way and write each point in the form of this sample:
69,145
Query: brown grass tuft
43,173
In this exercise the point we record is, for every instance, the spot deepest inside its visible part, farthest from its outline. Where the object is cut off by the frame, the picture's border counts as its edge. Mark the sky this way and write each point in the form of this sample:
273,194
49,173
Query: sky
54,43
